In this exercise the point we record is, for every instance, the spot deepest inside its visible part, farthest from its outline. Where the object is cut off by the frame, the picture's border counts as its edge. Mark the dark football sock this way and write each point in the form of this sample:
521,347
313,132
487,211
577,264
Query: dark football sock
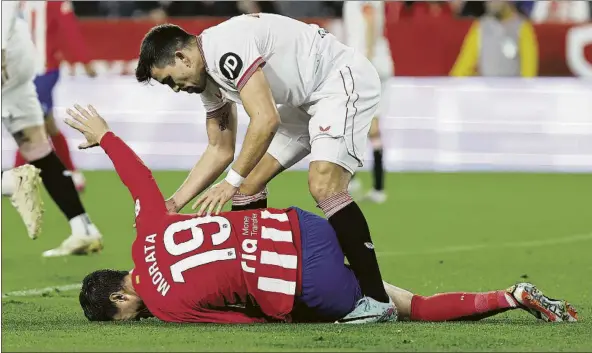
378,171
354,237
241,202
59,185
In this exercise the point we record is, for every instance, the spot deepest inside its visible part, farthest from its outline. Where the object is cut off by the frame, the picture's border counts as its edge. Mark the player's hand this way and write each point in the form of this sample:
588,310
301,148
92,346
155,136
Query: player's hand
171,205
89,123
215,198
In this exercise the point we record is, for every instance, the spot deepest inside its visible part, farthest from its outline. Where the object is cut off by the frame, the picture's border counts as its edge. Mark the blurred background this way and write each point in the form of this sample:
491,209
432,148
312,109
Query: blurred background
524,101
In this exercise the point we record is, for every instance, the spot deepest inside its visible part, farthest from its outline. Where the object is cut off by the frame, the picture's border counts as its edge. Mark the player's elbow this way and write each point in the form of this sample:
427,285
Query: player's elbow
223,153
270,122
226,156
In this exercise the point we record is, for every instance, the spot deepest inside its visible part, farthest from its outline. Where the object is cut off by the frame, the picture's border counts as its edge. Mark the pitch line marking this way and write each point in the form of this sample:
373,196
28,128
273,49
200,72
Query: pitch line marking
446,250
41,291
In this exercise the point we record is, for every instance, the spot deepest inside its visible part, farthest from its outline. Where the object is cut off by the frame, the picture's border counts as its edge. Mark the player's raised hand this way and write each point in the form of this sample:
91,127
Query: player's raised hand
89,123
215,198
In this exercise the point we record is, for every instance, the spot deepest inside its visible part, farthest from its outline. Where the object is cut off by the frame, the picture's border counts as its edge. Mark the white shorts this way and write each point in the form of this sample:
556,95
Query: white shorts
21,108
334,126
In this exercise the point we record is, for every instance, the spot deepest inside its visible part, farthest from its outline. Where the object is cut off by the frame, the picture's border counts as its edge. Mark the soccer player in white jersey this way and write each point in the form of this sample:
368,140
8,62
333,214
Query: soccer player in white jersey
328,95
364,23
23,118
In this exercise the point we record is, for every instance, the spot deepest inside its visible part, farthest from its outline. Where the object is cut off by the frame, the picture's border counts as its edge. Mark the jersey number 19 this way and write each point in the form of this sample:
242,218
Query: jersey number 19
195,242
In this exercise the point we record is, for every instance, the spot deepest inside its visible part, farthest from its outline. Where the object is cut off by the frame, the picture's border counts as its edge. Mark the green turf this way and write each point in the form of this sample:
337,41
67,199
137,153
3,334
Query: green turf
437,232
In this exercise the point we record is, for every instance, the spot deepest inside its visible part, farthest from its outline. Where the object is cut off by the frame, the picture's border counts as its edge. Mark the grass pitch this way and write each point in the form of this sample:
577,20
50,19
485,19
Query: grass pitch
437,232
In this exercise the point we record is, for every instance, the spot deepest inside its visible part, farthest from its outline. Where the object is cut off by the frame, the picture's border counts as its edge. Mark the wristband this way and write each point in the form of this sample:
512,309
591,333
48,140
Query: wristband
234,179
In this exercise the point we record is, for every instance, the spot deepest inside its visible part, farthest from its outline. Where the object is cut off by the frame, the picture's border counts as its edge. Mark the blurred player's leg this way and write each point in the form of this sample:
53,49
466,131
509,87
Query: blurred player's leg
376,194
22,116
23,186
44,85
60,145
35,148
355,187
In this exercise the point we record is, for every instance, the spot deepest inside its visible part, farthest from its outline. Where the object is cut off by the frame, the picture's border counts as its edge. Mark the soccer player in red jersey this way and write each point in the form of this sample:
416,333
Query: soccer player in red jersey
264,265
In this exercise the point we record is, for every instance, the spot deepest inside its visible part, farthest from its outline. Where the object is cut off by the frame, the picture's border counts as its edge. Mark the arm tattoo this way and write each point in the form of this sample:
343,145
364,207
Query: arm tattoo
224,119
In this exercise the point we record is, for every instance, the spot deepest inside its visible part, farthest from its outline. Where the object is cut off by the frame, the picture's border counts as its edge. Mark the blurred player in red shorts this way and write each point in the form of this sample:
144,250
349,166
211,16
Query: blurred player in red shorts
254,266
55,31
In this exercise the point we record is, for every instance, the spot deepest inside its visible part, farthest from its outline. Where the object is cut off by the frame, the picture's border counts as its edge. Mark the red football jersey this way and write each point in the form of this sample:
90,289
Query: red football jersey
238,267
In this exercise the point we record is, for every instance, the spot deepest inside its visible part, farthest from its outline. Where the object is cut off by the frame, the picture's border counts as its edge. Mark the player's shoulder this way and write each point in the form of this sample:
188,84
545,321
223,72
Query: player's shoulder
224,56
229,29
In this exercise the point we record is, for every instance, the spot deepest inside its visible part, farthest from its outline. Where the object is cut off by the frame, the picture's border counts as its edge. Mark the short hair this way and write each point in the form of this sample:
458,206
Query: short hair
158,48
96,289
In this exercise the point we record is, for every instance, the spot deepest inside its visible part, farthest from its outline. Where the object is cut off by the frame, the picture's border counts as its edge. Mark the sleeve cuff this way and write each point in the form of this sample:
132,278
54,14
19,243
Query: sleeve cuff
249,72
109,136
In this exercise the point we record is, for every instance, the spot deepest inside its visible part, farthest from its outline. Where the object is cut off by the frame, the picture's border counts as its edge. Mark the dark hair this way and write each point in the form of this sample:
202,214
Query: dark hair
95,292
159,47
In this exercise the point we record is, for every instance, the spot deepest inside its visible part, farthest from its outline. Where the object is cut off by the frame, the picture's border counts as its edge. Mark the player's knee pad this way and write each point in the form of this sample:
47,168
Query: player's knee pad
32,151
241,199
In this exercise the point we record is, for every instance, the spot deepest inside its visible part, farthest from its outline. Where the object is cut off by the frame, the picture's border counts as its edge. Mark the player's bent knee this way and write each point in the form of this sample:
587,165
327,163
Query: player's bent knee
32,151
326,179
33,143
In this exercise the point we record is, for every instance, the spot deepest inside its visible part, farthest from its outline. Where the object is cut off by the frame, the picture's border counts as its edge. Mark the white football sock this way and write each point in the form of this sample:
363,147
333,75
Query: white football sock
82,225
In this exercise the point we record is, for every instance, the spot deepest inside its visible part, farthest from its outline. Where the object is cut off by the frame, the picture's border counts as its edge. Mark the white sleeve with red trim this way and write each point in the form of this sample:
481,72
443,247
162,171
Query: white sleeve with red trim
212,99
239,59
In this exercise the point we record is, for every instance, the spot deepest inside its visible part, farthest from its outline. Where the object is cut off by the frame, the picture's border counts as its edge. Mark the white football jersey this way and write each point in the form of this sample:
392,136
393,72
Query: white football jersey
21,55
295,57
354,25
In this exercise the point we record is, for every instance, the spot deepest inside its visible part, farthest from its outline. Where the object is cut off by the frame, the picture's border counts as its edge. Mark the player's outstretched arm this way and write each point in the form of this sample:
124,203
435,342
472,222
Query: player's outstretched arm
221,129
130,168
